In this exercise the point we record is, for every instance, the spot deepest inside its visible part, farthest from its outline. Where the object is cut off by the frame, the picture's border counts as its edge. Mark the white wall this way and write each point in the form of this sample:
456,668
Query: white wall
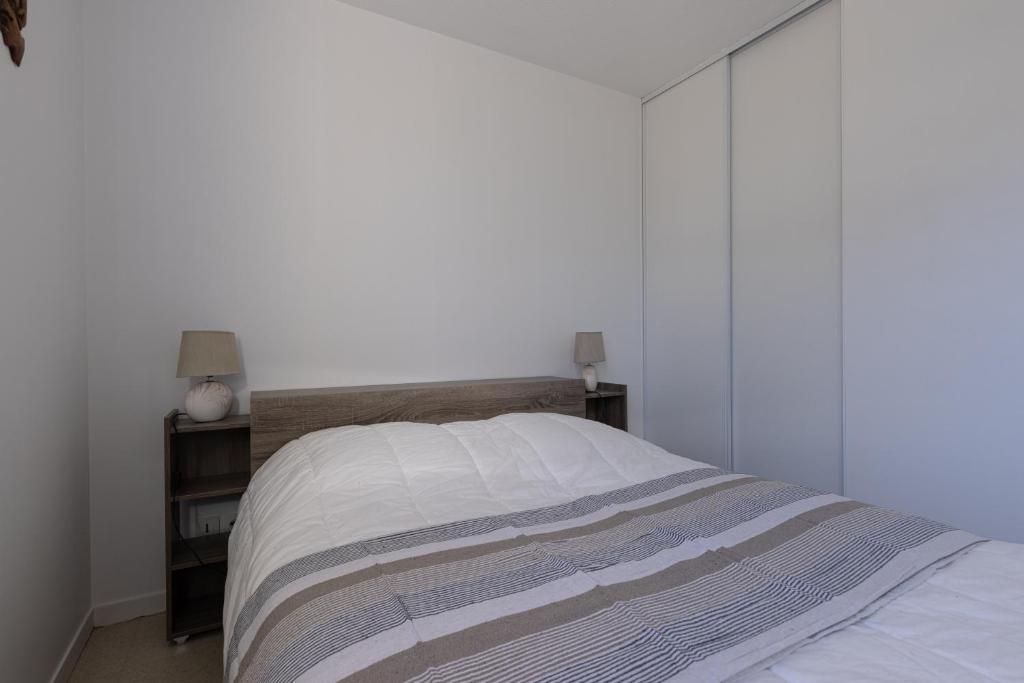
360,200
44,483
933,226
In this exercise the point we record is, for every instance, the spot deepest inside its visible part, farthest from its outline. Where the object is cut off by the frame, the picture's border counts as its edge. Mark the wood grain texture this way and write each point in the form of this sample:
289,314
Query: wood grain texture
184,424
608,405
278,417
201,460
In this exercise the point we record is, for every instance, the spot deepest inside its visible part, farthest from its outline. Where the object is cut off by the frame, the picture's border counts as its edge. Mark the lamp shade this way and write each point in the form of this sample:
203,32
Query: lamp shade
589,347
204,353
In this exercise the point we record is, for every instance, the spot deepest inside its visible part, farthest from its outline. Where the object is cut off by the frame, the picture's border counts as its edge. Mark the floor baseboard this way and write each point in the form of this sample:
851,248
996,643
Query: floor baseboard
74,651
125,610
104,615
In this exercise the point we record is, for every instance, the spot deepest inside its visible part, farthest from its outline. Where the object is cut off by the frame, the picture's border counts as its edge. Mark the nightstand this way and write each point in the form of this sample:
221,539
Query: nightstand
202,461
608,405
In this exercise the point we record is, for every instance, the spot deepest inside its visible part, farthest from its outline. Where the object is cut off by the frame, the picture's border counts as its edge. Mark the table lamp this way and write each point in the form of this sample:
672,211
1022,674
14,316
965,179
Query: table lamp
589,350
206,353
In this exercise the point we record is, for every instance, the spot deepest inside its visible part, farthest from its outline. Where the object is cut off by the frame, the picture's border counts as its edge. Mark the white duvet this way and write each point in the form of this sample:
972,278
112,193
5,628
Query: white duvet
329,488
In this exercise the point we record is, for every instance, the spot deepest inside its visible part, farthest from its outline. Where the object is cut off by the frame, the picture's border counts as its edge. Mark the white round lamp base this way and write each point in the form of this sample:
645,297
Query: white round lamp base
590,377
208,401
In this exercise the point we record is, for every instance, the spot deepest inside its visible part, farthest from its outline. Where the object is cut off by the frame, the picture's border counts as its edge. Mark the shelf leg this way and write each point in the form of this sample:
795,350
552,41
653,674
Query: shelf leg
180,640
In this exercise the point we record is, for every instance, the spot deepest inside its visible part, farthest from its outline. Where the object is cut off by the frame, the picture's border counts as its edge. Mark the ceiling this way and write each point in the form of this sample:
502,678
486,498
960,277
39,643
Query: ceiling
634,46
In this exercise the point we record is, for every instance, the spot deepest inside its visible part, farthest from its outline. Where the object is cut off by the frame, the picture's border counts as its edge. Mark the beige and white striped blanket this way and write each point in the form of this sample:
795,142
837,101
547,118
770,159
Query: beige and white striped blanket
700,575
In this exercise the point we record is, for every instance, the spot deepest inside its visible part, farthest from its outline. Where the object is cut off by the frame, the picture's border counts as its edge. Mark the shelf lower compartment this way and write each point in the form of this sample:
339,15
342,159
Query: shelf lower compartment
197,615
196,599
211,486
211,550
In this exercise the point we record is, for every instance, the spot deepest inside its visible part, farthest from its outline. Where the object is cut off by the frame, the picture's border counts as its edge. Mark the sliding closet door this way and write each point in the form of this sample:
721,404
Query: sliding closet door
686,255
786,219
933,226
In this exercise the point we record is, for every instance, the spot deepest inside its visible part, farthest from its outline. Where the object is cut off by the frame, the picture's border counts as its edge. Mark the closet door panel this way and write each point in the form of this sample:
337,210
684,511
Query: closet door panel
786,232
686,253
933,226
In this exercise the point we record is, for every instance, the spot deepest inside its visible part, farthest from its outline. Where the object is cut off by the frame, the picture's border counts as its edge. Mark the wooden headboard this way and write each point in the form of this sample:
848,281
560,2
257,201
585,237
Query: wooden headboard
277,417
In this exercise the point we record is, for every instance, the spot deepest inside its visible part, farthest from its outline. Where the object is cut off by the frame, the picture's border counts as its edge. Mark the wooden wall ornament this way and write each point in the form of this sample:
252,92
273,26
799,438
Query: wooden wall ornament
13,17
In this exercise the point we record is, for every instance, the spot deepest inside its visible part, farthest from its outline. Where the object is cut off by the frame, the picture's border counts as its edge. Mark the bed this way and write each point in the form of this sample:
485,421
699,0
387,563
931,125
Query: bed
485,531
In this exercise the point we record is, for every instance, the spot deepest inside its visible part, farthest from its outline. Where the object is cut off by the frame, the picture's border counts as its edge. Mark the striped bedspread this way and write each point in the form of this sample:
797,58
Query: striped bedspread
700,575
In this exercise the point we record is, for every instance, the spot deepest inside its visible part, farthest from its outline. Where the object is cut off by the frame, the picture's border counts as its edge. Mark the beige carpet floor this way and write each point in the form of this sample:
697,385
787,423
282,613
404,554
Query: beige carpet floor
136,651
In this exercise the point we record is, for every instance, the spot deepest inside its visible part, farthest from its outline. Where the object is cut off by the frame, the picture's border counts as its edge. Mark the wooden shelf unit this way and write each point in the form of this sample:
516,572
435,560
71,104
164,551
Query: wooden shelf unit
199,602
608,405
209,549
211,486
201,460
